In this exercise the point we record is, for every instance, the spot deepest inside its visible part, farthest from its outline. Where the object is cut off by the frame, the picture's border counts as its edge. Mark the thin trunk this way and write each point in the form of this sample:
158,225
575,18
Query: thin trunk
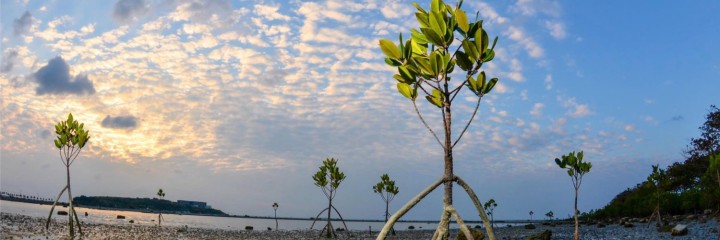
329,233
576,236
276,221
70,212
448,199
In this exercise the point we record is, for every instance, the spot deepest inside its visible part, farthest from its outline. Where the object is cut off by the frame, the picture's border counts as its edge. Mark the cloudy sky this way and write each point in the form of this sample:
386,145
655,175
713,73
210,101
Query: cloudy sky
237,103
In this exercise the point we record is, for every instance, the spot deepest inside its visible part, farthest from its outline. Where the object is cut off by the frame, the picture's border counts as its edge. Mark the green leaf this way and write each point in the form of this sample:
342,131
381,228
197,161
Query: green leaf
435,6
479,41
418,48
434,38
437,24
490,85
420,9
463,61
471,50
389,48
462,20
422,18
405,90
406,75
392,62
482,79
424,64
70,118
58,144
488,55
472,84
435,63
418,37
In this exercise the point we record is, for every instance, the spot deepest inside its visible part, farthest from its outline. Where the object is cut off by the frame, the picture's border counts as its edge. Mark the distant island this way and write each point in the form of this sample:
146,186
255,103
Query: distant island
150,205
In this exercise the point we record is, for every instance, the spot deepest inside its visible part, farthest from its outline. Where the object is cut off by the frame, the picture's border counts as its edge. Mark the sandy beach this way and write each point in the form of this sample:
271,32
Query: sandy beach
15,226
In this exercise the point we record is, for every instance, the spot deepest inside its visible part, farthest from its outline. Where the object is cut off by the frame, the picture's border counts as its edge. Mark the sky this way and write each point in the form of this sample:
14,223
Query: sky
237,103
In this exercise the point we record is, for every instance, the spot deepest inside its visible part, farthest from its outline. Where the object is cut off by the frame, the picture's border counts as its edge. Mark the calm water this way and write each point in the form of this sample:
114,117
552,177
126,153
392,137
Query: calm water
110,217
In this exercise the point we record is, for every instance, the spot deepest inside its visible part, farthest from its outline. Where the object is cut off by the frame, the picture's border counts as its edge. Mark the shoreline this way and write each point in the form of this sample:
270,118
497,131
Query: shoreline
16,226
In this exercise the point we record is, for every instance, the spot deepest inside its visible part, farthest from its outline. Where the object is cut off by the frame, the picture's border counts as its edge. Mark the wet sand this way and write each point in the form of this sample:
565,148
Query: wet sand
15,226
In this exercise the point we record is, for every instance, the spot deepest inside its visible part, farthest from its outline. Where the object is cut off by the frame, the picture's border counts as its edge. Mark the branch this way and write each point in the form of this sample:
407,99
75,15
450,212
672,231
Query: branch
463,227
426,125
407,207
455,91
478,205
468,124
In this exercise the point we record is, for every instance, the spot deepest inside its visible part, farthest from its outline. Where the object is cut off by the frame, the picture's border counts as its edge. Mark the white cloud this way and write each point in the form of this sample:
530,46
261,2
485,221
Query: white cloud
516,34
557,29
394,9
575,109
270,12
488,12
629,128
536,110
548,82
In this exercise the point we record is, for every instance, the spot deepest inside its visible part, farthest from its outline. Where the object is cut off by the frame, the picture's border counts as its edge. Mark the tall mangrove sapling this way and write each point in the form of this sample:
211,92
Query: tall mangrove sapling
161,195
490,207
424,63
576,169
71,138
328,178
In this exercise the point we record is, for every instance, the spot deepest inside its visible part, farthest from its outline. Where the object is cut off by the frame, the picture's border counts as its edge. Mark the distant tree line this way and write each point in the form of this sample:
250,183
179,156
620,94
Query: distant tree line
144,204
687,187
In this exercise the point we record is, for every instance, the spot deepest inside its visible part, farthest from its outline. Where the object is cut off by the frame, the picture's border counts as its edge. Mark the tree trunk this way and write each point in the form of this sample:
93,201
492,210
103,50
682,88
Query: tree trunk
576,236
328,226
70,212
449,176
276,221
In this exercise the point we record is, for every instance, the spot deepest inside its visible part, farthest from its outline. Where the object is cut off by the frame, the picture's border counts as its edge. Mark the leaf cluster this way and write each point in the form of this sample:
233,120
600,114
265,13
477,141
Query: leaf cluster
425,60
329,175
490,204
386,185
161,194
70,133
574,164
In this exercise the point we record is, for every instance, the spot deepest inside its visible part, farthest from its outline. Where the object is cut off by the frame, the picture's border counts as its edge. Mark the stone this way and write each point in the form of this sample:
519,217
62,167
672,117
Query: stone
666,228
120,217
601,225
249,228
708,211
269,229
628,225
339,229
411,227
545,235
530,226
132,221
679,230
691,217
477,234
63,213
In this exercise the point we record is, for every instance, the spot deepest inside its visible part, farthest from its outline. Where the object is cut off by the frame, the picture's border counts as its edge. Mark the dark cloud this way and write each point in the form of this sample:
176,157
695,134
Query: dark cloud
8,61
119,122
22,25
128,10
55,79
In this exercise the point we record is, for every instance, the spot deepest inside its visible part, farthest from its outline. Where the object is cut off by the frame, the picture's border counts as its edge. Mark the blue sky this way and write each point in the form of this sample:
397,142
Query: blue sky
237,103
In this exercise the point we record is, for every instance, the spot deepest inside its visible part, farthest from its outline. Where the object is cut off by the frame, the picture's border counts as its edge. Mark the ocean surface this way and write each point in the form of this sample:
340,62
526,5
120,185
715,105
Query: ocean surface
230,223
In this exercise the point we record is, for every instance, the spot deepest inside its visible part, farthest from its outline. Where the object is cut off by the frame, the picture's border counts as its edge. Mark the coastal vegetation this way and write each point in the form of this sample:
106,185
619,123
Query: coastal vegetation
446,41
144,205
576,169
387,190
160,195
328,178
71,138
690,186
490,207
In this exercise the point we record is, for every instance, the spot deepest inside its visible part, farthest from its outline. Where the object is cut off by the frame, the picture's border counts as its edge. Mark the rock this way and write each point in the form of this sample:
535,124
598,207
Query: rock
666,228
691,217
269,229
249,228
411,227
546,235
339,229
63,213
477,234
530,226
120,217
601,225
628,225
86,214
132,221
477,226
708,211
679,230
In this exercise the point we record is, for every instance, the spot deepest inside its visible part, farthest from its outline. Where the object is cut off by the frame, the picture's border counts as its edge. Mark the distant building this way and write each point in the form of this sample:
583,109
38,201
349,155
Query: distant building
192,203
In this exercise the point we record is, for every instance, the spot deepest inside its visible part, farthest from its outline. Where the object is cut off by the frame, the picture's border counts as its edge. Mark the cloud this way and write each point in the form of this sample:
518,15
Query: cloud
536,110
8,61
548,82
54,78
531,7
576,110
393,9
129,10
128,122
22,25
270,12
557,29
516,34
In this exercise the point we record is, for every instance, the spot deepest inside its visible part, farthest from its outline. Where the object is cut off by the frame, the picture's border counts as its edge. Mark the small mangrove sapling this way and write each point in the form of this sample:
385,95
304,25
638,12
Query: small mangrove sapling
71,138
328,178
550,215
446,41
531,213
490,207
657,181
576,169
161,195
387,190
275,207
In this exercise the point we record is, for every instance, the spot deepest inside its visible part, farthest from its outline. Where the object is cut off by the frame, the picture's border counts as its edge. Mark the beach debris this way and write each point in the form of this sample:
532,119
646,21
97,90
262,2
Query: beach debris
86,214
476,234
249,228
62,213
545,235
679,230
530,226
120,217
411,227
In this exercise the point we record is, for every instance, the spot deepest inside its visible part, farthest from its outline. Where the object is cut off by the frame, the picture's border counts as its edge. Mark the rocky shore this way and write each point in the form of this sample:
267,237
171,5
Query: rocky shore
15,226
